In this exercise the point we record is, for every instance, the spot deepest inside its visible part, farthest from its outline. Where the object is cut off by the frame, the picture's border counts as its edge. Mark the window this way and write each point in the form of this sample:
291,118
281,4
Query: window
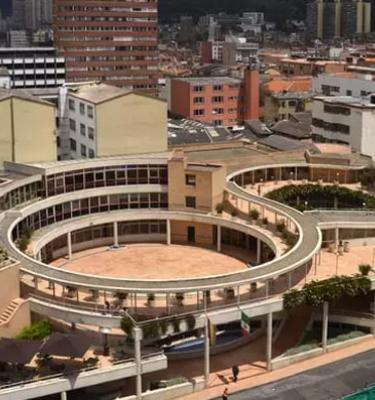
72,105
190,201
218,122
349,92
333,109
190,180
232,110
218,111
82,129
364,93
91,153
217,88
83,150
198,88
217,99
81,108
72,125
73,145
199,111
90,111
292,103
198,100
90,132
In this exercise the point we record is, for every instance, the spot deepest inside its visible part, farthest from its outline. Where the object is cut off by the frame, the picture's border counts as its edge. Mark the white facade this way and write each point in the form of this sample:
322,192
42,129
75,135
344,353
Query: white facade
33,67
345,120
359,85
77,130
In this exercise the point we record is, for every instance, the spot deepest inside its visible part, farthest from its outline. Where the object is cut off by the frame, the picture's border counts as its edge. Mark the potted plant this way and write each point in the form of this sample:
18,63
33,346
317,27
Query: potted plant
180,299
127,326
219,208
265,221
229,293
190,322
150,299
253,286
280,226
207,296
121,297
254,214
176,325
234,213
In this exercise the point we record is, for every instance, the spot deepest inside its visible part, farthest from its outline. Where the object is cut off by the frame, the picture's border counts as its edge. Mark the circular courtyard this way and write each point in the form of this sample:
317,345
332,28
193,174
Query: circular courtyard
157,261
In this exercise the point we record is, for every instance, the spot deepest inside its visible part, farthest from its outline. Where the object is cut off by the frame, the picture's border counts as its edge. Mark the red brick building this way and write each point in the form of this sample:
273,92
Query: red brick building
109,40
216,100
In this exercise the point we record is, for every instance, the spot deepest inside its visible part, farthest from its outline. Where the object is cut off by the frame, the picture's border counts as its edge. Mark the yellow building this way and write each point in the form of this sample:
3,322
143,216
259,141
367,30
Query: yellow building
28,129
101,120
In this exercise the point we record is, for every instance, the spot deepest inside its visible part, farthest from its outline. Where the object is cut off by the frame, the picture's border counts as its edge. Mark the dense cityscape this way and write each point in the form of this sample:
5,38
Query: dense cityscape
187,199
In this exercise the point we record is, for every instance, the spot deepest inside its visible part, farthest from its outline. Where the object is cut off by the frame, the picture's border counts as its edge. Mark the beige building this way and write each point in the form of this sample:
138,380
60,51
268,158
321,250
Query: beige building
99,120
28,130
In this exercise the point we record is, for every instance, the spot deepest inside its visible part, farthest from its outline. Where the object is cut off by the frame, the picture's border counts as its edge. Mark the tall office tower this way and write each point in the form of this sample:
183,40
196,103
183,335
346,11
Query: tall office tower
38,14
356,17
18,14
314,19
112,41
331,19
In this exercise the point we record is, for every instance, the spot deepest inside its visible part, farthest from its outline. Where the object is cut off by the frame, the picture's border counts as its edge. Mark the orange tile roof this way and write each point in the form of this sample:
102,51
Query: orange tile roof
288,85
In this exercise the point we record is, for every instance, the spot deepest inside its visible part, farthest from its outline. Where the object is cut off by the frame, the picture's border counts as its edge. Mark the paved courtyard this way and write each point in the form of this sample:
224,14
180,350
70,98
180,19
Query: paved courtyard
156,261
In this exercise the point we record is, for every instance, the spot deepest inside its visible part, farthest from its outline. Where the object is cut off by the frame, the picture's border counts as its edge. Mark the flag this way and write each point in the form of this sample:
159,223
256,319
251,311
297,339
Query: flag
245,324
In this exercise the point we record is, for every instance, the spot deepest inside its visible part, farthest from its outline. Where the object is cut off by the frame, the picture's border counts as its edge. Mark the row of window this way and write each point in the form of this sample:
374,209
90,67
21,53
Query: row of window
83,149
215,88
334,109
92,205
82,108
216,99
83,130
330,126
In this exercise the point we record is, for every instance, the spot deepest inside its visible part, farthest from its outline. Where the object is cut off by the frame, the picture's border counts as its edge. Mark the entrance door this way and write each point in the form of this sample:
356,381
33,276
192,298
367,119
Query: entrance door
191,234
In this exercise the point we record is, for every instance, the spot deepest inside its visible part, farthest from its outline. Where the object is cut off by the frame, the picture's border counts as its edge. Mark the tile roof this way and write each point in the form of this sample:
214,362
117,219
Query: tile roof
289,85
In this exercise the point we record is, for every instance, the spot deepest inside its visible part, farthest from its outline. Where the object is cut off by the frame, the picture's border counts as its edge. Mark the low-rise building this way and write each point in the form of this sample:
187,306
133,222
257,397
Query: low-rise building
239,50
345,120
284,97
98,120
23,138
347,83
220,101
307,66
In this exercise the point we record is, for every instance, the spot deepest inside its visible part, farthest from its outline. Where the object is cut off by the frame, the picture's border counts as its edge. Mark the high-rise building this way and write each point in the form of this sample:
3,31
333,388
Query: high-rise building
112,41
18,14
38,14
327,19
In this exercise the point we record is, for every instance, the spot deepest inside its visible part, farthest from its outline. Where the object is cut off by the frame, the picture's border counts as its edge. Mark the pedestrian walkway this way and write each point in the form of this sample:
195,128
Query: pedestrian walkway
252,377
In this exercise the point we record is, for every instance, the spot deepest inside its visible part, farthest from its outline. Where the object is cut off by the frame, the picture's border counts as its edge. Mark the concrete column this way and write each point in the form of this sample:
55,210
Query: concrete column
53,289
218,244
275,218
206,352
198,300
63,396
296,173
325,327
267,288
168,232
39,256
135,301
259,251
69,237
337,236
115,234
289,280
167,302
137,336
238,296
316,263
269,341
36,281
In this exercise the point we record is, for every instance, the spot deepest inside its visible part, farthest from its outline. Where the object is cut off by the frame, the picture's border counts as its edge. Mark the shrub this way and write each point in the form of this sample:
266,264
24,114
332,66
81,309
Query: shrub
220,208
22,243
151,330
190,322
234,213
364,269
265,221
254,214
37,331
280,226
127,325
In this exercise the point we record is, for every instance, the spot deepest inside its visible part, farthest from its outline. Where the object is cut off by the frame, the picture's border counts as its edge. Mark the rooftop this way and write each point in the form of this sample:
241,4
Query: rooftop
294,129
347,101
278,85
212,80
97,92
7,94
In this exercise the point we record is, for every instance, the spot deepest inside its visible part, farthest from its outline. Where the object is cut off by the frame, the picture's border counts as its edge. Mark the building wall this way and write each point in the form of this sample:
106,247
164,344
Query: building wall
9,285
208,189
204,233
131,124
123,48
180,98
28,131
340,86
20,320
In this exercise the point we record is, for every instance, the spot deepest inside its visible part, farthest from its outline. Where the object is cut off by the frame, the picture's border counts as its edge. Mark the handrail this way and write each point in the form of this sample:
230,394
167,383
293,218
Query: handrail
78,371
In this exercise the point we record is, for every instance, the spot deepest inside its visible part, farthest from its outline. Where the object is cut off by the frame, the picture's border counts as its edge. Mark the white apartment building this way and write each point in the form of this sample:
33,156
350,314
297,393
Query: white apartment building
344,84
345,120
33,67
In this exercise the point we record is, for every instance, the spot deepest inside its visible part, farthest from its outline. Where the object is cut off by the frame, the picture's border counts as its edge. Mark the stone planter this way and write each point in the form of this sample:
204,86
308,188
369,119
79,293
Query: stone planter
332,247
346,247
341,250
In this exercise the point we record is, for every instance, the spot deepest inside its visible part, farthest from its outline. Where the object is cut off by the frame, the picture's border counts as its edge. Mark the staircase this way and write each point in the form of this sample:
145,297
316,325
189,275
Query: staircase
8,313
291,332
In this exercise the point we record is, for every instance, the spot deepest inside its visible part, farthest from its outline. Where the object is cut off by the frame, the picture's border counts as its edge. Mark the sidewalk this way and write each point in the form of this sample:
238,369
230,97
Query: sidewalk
247,378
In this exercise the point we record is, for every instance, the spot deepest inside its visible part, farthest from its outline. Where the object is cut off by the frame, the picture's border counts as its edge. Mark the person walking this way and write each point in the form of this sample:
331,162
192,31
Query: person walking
225,394
235,372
